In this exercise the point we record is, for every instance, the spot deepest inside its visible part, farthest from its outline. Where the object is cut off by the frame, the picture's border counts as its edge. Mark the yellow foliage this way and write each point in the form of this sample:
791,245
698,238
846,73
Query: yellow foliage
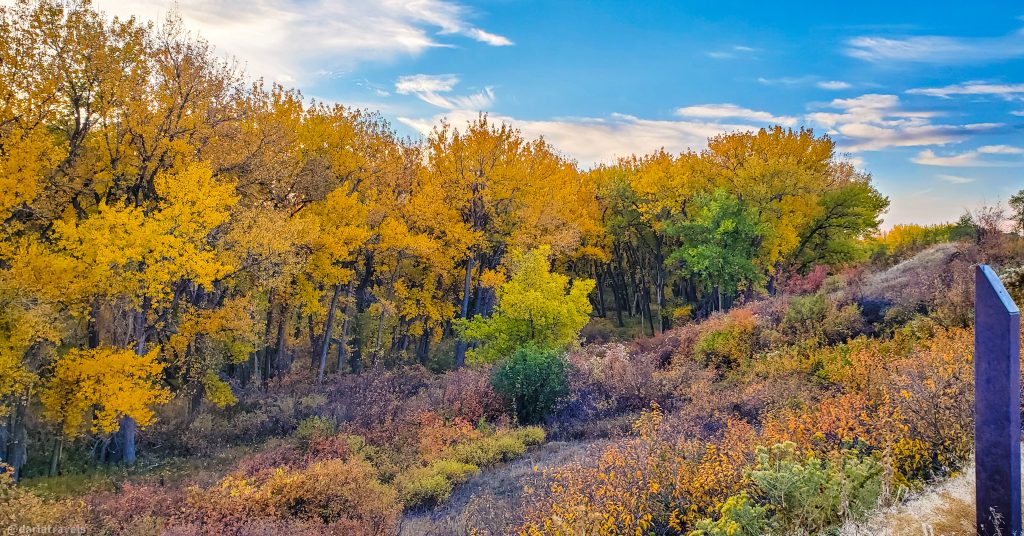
94,389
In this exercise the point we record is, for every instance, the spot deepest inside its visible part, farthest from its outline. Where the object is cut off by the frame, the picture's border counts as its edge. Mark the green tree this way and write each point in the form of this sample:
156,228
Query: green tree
848,214
718,243
536,307
533,380
1017,206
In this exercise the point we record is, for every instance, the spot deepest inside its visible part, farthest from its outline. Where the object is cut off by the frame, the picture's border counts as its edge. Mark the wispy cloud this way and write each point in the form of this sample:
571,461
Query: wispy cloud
1000,149
956,179
732,111
786,80
834,85
430,88
1005,91
291,40
733,52
873,122
973,158
937,49
594,140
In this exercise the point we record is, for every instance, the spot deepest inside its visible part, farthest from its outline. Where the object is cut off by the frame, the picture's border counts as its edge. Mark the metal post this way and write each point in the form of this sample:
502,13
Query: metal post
996,406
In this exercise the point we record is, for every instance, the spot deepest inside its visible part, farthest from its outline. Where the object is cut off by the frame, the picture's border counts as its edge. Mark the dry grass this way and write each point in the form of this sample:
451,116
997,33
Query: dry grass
943,510
491,503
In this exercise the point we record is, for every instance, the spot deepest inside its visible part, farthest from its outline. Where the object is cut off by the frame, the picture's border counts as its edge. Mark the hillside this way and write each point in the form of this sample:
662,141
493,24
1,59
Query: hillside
653,433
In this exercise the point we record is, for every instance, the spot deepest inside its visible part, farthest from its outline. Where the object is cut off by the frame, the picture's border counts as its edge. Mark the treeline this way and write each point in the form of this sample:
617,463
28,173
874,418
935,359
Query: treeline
173,229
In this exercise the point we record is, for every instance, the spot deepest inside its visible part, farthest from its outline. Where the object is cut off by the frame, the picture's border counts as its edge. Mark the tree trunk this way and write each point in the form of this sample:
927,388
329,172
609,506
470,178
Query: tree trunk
346,325
423,348
599,281
659,275
128,431
460,345
326,345
17,442
4,438
282,325
55,459
129,427
259,357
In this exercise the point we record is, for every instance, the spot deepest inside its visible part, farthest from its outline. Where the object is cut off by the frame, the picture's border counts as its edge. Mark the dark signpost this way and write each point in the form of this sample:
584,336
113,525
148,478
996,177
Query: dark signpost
996,406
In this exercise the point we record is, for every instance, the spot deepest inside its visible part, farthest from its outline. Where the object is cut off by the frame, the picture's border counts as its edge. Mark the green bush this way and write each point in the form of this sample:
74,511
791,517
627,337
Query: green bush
843,324
811,495
805,315
314,427
424,487
532,381
489,450
738,517
796,494
729,346
505,445
530,435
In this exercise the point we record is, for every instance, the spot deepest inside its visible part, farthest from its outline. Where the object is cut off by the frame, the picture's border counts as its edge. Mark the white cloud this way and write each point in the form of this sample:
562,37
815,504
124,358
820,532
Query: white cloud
834,85
722,111
1000,149
928,157
937,49
592,140
489,38
416,83
1018,113
974,158
1005,91
732,52
873,122
785,80
429,89
956,179
290,40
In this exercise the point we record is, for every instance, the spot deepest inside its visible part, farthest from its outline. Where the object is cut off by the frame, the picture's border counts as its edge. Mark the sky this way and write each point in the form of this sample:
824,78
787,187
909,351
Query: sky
927,97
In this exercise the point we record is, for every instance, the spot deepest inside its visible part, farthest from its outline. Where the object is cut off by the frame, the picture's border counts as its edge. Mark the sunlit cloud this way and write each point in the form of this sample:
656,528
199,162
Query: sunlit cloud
733,52
834,85
732,111
973,158
874,122
593,140
291,41
432,89
937,49
956,179
1005,91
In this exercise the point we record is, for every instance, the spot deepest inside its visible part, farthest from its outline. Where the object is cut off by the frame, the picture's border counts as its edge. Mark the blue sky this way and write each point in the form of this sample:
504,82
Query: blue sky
929,98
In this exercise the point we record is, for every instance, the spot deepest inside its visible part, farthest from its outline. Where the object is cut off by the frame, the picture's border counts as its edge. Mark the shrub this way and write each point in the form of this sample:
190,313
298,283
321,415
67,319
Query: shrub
807,495
333,491
843,324
533,381
530,435
468,394
739,516
614,378
19,506
805,315
731,344
498,448
315,427
432,485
